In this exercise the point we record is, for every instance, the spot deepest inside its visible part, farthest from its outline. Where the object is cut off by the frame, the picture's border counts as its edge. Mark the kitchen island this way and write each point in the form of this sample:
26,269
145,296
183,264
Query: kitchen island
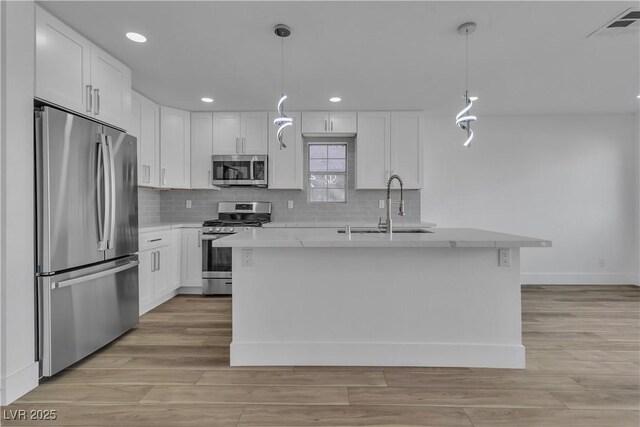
318,297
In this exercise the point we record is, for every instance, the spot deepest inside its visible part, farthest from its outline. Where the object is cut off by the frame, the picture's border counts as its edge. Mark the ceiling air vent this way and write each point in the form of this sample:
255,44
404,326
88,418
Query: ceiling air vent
625,23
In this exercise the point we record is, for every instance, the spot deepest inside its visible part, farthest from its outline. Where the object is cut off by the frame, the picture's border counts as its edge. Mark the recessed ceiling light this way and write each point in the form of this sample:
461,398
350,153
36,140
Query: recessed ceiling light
638,96
205,99
335,99
138,38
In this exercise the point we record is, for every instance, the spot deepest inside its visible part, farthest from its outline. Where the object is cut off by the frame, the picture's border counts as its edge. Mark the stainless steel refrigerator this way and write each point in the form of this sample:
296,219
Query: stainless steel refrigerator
87,236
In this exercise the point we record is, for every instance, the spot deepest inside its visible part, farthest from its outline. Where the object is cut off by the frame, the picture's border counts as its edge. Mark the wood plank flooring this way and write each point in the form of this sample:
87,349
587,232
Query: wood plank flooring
583,369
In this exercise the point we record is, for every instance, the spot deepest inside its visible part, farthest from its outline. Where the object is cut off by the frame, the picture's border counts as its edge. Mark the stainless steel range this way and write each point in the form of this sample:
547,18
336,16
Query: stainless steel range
233,217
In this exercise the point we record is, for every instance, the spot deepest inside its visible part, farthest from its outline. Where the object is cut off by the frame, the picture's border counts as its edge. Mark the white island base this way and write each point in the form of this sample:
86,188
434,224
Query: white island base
356,305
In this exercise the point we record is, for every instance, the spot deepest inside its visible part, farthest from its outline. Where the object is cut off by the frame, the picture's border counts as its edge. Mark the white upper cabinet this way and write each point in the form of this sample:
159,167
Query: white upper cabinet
406,148
145,126
285,166
389,143
315,122
253,132
226,133
63,64
373,149
111,84
201,149
76,74
239,133
175,148
323,122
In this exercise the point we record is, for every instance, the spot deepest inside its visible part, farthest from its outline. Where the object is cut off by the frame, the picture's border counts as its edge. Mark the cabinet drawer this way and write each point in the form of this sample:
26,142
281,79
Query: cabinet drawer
153,240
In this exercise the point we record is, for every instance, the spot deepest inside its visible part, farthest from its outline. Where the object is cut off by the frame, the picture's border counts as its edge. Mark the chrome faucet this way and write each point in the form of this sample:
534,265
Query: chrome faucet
387,226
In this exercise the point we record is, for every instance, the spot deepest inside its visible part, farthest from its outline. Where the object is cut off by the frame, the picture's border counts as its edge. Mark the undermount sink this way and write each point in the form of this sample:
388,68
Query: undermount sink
395,231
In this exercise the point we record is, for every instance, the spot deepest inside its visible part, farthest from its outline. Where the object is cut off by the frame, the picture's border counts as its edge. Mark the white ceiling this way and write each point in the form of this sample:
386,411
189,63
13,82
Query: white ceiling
526,57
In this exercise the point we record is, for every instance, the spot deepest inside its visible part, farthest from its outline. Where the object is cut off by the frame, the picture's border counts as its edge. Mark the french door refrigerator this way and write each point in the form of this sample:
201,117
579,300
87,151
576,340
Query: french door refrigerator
87,236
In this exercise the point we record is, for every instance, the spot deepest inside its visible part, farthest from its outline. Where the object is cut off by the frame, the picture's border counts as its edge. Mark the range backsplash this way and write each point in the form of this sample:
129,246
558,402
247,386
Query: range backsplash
361,206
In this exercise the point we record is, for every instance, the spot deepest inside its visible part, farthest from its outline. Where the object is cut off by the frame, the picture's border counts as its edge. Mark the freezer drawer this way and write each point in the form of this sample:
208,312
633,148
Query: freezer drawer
85,309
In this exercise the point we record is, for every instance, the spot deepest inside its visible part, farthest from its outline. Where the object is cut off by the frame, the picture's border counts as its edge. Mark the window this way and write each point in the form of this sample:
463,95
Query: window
328,173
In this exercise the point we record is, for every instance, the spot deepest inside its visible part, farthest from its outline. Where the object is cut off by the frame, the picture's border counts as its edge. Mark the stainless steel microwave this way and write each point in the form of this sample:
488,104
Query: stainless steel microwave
247,170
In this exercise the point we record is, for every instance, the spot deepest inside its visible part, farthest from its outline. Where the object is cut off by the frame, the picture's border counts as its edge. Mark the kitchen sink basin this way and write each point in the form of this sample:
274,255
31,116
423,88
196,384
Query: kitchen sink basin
395,231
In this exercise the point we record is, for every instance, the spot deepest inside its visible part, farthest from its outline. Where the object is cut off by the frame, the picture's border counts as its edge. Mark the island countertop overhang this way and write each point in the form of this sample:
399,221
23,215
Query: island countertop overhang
323,238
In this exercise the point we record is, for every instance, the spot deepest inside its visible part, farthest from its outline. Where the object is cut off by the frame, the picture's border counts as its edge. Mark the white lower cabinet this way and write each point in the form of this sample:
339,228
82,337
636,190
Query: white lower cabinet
191,258
159,269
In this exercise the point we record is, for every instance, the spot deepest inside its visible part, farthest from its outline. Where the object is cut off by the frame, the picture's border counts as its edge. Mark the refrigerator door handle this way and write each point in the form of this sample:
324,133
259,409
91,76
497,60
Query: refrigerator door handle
94,276
112,174
103,243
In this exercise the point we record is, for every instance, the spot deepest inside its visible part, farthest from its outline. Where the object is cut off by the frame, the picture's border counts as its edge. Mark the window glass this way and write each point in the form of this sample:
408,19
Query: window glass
327,181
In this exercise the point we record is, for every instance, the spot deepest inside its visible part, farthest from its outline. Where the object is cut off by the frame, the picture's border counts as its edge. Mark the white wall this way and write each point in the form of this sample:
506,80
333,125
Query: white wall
18,369
571,179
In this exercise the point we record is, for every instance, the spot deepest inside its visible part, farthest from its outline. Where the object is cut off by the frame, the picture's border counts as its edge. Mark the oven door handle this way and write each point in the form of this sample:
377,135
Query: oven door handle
213,236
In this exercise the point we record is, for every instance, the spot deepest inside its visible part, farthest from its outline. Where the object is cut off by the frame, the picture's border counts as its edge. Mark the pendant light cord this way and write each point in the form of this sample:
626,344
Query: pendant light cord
282,48
466,89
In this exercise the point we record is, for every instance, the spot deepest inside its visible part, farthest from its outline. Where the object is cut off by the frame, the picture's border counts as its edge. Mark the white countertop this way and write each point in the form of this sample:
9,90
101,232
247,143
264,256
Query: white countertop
323,237
161,226
337,224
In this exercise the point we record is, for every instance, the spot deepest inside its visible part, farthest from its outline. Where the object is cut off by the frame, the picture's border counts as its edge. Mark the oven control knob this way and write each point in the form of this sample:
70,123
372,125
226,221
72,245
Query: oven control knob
217,229
231,229
210,229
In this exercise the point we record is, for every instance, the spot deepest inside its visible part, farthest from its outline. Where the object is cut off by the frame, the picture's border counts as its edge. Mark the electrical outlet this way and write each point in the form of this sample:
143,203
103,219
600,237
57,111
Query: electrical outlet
504,257
602,262
188,204
381,204
247,257
290,204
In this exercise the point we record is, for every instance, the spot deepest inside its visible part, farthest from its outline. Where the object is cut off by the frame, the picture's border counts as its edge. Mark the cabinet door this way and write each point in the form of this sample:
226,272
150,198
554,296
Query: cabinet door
149,142
406,148
160,275
134,130
343,122
173,260
315,122
286,166
373,150
175,148
226,133
253,131
63,64
191,271
111,81
201,149
145,280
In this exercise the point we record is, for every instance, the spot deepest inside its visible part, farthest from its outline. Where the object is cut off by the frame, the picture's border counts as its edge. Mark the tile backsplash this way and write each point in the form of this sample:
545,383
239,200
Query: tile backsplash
361,206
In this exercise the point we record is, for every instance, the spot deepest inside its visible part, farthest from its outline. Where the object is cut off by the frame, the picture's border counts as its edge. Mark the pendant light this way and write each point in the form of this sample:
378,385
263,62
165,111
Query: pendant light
464,117
282,121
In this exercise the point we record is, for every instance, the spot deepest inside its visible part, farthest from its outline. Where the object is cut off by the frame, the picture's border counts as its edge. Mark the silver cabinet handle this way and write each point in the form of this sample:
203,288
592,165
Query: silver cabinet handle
93,276
147,173
89,98
199,238
158,260
237,146
153,261
164,174
97,94
325,125
112,167
244,140
209,180
331,125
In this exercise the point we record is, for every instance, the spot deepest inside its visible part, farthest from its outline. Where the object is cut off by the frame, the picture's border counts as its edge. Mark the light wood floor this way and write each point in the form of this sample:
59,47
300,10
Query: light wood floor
583,369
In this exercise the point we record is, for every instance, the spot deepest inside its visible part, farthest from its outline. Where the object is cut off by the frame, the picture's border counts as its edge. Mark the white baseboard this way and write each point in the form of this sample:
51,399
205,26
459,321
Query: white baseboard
578,279
377,354
190,290
19,383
